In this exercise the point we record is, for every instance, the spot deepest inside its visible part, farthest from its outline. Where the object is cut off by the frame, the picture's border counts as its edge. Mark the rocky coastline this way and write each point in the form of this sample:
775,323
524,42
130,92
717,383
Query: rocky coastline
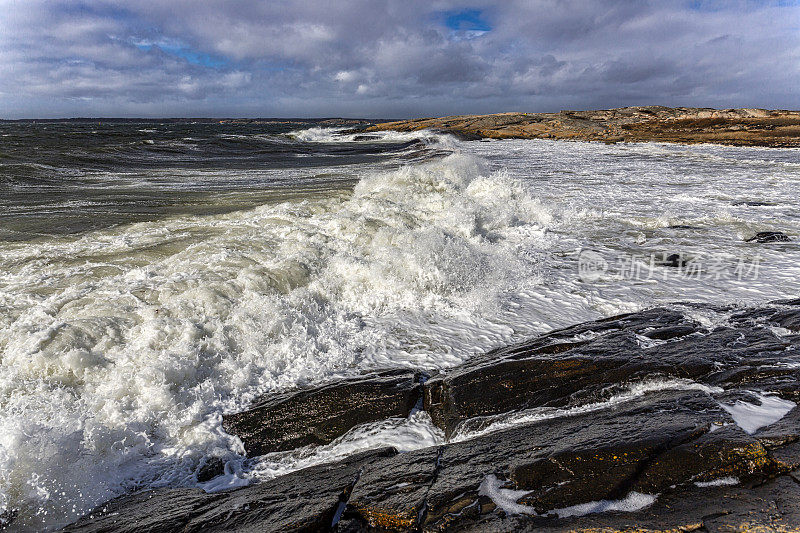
735,127
651,421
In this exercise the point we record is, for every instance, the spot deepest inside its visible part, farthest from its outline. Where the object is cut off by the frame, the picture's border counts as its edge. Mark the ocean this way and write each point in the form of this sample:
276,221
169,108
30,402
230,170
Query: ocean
154,276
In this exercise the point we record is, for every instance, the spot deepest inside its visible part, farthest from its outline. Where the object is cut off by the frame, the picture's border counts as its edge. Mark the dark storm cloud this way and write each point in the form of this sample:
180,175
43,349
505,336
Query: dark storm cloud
381,58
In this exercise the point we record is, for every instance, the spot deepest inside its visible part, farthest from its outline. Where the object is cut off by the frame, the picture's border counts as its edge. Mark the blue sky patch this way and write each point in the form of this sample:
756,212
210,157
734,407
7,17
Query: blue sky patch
466,20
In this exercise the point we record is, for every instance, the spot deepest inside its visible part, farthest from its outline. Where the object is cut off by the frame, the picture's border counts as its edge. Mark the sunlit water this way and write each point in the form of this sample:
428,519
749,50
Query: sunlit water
142,299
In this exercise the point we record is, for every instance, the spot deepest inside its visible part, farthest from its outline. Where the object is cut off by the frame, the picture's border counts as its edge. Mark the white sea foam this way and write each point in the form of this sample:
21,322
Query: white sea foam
506,499
753,416
721,482
327,135
403,434
122,347
634,501
527,416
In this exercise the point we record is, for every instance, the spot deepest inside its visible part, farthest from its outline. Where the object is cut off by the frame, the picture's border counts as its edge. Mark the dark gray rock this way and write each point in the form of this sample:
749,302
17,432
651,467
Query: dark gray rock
662,442
675,260
306,500
753,203
789,319
556,370
319,415
210,467
769,236
773,506
784,317
784,431
391,494
570,460
7,517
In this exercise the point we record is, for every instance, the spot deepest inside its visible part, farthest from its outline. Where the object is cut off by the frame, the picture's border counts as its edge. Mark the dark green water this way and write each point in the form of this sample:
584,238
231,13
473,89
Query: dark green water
72,177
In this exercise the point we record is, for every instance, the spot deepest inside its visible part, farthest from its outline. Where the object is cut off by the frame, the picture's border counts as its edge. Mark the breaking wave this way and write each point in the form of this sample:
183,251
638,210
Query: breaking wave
122,347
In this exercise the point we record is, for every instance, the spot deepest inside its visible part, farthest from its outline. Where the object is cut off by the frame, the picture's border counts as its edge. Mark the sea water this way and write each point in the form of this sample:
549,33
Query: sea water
154,276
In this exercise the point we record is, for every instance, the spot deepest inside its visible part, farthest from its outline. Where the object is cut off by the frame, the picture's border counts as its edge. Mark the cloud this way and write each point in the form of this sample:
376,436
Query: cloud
384,58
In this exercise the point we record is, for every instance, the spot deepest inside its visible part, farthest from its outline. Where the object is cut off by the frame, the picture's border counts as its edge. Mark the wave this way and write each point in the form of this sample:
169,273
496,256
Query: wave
347,135
122,347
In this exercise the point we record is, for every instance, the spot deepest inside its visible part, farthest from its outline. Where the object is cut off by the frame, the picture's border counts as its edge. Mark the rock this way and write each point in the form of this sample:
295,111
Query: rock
7,518
675,260
773,506
642,445
549,370
784,431
306,500
789,319
210,467
727,452
739,127
318,416
526,376
391,494
753,203
769,236
792,301
773,316
590,435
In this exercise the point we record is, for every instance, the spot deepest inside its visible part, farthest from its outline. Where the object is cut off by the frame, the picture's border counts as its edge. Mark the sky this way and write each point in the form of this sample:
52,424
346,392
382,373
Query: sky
391,59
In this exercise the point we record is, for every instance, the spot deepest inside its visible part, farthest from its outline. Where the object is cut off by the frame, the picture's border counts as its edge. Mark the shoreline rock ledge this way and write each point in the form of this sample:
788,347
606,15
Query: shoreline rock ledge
650,421
685,125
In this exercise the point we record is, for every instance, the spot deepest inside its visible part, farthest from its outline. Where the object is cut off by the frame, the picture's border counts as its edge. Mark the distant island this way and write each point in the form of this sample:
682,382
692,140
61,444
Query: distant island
687,125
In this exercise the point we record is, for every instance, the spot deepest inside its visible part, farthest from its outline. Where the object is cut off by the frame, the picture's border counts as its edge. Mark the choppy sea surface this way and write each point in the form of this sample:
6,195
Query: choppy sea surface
154,276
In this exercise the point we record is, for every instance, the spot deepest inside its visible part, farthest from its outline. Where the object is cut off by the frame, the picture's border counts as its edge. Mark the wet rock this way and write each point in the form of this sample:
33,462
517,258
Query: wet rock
554,369
7,518
306,500
769,236
792,301
513,384
153,511
590,435
789,319
753,203
351,525
773,316
675,260
727,452
210,467
575,459
318,416
391,494
784,431
670,332
773,506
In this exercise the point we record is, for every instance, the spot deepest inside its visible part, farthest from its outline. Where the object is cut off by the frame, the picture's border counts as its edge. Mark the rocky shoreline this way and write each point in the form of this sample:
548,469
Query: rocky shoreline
736,127
651,421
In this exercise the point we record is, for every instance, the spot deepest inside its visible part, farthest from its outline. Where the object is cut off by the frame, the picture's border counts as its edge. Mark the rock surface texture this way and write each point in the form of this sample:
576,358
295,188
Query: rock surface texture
317,416
738,127
649,421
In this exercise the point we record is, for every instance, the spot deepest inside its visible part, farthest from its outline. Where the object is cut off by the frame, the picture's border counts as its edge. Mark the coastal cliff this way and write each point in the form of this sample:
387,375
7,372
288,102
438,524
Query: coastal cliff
736,127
